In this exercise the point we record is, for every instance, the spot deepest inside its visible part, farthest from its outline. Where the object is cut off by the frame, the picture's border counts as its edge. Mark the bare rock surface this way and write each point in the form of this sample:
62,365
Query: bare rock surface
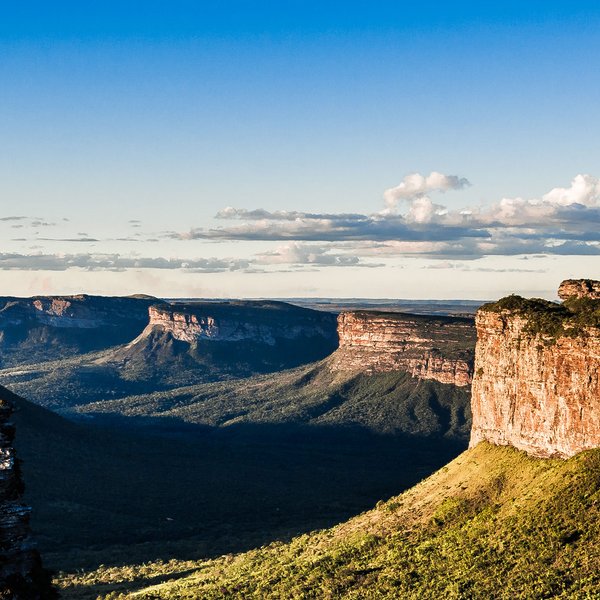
579,288
262,322
438,348
537,375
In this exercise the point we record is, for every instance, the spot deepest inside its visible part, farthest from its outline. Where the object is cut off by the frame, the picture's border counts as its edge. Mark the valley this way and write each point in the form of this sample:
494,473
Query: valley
257,478
215,467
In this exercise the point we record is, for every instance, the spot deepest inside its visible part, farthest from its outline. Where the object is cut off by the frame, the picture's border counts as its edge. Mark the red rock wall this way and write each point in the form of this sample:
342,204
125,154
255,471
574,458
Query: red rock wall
543,398
426,347
579,288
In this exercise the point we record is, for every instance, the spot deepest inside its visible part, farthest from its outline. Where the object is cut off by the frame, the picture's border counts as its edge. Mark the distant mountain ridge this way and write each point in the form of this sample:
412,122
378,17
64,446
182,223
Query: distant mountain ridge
45,328
173,345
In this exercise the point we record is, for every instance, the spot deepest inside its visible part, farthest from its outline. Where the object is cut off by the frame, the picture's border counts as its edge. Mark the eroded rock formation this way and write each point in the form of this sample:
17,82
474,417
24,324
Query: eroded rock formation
21,573
235,321
439,348
537,374
579,288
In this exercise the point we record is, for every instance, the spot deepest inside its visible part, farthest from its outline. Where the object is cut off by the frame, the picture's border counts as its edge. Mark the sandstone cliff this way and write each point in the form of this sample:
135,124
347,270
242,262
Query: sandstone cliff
537,373
439,348
235,321
21,573
579,288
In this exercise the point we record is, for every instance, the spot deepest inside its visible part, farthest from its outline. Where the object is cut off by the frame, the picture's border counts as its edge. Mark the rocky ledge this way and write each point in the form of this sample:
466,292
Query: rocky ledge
439,348
537,373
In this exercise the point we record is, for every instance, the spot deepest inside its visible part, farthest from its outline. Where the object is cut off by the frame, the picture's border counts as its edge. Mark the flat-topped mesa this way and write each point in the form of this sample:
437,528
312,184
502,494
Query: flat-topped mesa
262,322
537,375
579,288
21,573
49,327
427,347
79,311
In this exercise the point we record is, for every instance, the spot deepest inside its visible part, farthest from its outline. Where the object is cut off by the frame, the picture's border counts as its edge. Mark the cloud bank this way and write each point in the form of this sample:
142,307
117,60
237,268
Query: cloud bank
563,221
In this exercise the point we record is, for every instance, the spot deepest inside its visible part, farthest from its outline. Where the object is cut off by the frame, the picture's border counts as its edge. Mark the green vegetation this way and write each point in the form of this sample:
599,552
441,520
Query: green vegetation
40,364
494,523
550,320
385,403
157,363
111,495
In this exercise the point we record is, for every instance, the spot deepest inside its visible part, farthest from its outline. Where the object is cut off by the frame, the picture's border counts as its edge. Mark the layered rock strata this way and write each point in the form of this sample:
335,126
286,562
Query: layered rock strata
579,288
259,322
67,312
21,573
439,348
537,375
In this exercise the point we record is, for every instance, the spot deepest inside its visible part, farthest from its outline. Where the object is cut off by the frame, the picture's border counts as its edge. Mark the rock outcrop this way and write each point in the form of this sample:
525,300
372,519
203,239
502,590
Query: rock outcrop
261,322
439,348
537,374
579,288
21,574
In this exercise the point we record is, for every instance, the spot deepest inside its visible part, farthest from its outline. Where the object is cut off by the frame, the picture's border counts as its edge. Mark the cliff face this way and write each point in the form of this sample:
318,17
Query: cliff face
259,322
21,574
537,377
48,327
579,288
439,348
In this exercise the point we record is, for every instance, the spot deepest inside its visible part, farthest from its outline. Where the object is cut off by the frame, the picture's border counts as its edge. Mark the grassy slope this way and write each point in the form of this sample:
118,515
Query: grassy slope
102,496
494,523
388,403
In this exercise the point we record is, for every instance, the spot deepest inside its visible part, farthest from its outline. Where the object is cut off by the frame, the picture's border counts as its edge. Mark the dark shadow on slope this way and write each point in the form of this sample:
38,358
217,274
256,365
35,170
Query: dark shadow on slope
123,496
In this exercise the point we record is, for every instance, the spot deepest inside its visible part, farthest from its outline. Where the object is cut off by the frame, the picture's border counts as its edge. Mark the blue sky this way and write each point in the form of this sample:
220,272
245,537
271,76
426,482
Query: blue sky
127,127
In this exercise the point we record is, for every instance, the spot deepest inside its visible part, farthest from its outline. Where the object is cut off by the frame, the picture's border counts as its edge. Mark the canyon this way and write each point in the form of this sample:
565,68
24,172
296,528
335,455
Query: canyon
537,373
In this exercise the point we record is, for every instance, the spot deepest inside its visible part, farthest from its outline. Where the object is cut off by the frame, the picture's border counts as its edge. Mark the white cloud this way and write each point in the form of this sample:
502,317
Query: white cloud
310,254
415,186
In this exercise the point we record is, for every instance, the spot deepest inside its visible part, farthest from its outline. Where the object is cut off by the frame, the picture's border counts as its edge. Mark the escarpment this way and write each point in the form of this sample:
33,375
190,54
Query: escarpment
211,340
48,327
537,373
254,321
21,574
438,348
